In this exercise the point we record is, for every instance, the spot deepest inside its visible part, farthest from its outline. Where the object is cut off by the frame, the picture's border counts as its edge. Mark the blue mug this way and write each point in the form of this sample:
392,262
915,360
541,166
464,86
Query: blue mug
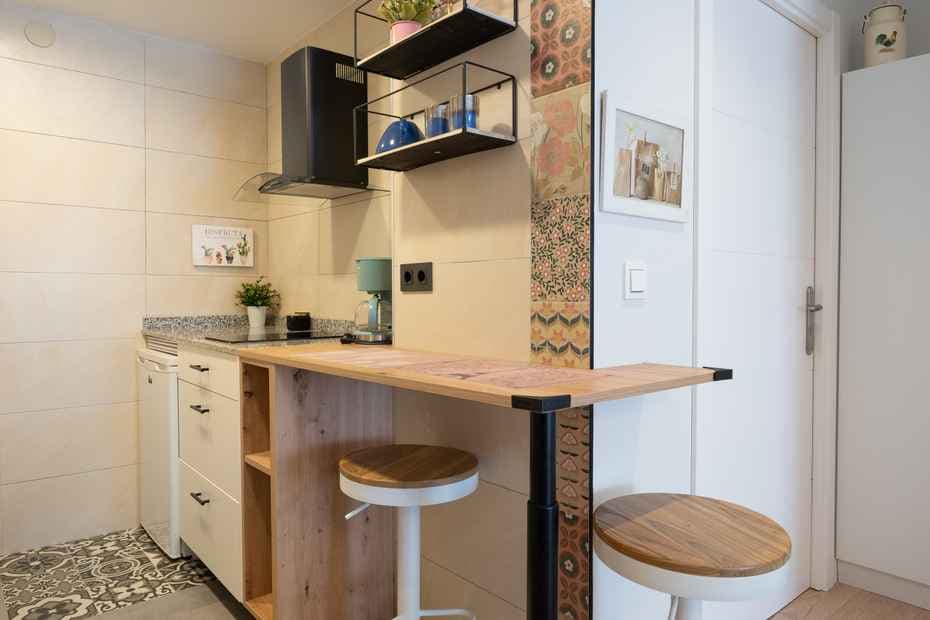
399,133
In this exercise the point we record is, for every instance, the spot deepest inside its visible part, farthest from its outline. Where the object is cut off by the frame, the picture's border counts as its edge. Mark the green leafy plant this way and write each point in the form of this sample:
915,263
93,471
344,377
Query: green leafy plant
407,10
257,294
243,247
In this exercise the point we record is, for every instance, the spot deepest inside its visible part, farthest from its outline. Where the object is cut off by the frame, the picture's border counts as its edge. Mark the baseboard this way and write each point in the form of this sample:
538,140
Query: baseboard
903,590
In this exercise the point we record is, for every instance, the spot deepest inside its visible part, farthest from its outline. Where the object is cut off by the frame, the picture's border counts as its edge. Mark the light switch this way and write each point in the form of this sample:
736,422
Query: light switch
635,281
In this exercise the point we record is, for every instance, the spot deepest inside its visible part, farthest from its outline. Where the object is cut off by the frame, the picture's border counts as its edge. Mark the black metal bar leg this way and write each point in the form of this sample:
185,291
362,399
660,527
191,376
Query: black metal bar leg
542,520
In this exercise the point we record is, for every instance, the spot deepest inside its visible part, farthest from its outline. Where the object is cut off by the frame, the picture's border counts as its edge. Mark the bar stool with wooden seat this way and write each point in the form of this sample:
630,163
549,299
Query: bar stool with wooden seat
693,548
408,477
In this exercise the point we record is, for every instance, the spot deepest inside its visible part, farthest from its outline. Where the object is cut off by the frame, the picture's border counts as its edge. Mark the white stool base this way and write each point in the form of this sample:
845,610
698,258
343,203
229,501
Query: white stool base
685,609
408,502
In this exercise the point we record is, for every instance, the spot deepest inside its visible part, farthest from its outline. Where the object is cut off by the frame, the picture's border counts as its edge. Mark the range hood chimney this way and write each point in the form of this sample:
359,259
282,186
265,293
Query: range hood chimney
319,92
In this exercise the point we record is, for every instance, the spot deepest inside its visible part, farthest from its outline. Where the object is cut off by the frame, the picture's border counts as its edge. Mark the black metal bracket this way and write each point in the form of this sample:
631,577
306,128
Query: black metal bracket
721,374
541,404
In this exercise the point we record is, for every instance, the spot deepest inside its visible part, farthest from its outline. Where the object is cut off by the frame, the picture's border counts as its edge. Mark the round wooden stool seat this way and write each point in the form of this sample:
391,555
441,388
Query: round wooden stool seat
409,474
690,546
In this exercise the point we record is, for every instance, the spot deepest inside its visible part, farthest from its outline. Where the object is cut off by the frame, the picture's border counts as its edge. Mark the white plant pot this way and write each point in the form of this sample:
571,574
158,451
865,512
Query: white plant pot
257,316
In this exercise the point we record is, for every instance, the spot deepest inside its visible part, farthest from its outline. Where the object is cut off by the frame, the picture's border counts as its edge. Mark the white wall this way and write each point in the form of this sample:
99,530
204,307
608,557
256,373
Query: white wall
643,444
112,144
851,13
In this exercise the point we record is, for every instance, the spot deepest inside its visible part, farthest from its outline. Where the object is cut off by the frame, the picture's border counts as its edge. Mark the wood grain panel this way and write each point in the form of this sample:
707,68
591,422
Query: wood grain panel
326,567
493,382
692,535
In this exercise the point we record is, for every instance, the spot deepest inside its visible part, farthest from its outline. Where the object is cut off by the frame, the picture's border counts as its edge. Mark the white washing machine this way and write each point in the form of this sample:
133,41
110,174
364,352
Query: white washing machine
159,482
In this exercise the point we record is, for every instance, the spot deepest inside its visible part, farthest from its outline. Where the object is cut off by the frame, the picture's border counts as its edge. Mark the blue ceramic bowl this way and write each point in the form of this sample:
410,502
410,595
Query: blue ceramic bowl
399,133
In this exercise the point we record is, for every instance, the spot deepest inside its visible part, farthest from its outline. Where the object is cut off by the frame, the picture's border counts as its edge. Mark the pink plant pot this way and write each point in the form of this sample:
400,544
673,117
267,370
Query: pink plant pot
403,29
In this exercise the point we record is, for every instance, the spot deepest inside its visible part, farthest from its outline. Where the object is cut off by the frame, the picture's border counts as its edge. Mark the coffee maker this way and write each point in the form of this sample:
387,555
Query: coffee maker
373,316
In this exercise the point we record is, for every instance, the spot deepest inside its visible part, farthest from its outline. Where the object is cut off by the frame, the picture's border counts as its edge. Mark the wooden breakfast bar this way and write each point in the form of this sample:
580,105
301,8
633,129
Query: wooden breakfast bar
306,406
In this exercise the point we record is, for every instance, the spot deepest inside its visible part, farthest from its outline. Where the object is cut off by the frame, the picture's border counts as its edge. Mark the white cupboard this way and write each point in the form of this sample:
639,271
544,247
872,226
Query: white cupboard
883,492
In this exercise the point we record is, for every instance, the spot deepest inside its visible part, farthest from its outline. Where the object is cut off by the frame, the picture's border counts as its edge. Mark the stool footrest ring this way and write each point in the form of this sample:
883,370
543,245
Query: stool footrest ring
443,613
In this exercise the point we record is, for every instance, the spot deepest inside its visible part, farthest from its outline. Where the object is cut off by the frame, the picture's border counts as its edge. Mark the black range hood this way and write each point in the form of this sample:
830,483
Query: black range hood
320,90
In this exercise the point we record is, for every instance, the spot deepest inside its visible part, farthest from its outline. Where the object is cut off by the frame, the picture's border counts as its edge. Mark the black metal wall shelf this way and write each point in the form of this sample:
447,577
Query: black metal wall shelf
447,37
439,148
471,135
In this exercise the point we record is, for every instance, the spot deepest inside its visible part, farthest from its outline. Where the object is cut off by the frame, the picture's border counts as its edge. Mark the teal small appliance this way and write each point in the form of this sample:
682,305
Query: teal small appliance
373,316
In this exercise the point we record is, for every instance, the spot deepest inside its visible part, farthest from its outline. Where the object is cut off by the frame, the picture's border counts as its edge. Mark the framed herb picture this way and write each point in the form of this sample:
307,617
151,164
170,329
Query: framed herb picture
644,167
222,246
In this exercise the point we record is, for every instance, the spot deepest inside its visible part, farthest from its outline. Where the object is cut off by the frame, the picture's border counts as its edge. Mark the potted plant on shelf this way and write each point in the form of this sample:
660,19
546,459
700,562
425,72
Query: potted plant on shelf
257,297
406,16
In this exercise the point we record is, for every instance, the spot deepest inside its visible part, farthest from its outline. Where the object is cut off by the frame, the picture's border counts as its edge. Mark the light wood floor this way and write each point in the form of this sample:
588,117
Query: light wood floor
849,603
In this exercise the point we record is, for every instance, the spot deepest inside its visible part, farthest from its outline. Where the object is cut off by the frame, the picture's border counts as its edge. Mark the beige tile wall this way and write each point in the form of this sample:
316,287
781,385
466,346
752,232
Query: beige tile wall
113,144
315,243
471,217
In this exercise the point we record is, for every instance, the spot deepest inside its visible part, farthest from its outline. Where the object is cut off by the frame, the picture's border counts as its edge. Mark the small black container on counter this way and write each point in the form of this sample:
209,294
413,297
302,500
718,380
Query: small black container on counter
298,322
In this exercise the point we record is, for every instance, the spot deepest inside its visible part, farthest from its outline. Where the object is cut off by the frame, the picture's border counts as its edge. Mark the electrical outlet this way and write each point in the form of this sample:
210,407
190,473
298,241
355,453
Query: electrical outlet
416,277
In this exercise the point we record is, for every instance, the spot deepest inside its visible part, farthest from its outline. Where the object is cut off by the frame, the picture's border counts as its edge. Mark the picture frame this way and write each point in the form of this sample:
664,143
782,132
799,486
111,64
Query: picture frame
644,167
222,246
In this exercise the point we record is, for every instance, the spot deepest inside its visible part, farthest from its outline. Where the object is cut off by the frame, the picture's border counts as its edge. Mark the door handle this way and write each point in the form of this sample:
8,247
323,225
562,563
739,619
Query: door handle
200,368
200,409
812,309
200,499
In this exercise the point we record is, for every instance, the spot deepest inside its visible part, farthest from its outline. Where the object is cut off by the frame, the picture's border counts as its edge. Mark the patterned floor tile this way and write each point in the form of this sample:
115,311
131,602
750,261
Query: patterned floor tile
560,44
89,577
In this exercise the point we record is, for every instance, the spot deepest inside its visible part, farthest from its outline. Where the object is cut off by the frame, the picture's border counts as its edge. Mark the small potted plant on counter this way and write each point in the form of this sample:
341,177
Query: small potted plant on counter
406,16
257,297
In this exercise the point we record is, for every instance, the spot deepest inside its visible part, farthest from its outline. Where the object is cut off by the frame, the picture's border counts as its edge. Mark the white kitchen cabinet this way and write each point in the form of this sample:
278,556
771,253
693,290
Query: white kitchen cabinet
883,504
211,461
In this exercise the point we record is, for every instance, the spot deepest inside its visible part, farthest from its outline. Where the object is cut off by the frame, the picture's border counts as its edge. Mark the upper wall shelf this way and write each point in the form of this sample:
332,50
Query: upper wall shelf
457,32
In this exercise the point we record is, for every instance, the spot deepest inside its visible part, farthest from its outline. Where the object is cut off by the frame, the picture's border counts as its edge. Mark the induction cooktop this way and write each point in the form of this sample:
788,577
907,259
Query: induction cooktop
242,336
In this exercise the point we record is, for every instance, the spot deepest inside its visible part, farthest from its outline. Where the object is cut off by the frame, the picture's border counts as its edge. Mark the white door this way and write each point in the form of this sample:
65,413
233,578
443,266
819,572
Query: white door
756,260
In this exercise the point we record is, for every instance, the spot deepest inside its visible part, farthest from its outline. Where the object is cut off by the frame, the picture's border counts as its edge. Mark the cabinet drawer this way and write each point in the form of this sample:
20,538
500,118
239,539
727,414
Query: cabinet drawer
210,436
212,530
208,369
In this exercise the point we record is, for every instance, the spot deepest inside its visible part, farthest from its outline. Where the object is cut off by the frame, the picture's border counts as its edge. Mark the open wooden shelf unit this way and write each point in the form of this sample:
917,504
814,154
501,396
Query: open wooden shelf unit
257,516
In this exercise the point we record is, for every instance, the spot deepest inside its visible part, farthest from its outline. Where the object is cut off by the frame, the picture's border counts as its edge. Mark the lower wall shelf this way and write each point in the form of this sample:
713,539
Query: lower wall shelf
261,607
260,461
439,148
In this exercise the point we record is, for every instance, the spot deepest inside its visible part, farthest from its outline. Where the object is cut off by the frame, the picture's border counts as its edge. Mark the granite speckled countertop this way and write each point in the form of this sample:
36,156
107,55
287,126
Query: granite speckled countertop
192,330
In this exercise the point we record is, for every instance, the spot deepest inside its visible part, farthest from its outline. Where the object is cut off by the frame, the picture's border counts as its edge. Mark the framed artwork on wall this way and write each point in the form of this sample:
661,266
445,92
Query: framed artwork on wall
644,168
222,246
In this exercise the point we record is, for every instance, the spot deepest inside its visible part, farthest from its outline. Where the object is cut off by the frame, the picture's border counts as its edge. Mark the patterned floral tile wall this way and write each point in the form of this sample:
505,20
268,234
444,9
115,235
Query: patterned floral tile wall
560,247
561,132
560,334
560,321
560,50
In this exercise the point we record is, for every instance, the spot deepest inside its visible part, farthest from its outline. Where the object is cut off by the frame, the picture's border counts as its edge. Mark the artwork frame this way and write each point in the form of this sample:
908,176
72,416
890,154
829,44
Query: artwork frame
645,167
222,246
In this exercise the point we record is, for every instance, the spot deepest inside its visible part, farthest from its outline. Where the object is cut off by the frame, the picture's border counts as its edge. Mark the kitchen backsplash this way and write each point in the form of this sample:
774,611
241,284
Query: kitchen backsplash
208,322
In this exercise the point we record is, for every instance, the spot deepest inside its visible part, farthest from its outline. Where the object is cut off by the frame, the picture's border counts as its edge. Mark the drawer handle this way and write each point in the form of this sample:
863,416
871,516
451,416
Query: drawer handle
200,368
199,409
199,498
